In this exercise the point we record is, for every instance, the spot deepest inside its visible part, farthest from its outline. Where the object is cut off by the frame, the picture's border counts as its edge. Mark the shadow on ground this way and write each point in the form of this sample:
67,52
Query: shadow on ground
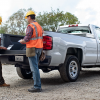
56,79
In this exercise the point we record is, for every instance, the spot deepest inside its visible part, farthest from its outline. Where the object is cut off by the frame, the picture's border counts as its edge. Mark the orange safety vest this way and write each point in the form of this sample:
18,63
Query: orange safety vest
37,37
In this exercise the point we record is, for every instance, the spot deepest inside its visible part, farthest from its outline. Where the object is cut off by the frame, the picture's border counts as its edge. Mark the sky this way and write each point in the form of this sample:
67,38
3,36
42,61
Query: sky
87,11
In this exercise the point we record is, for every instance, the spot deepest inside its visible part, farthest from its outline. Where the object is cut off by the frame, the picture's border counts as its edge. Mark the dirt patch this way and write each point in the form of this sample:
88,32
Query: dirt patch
87,87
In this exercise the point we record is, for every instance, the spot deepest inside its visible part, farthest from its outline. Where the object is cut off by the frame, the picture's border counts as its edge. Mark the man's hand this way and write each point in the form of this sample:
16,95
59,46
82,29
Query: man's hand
4,48
22,41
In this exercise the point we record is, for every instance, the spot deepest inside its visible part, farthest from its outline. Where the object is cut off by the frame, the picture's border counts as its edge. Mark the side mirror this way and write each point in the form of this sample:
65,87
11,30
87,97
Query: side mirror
90,35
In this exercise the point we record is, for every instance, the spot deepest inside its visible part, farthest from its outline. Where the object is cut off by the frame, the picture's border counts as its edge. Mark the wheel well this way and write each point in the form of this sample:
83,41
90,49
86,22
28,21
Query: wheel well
76,52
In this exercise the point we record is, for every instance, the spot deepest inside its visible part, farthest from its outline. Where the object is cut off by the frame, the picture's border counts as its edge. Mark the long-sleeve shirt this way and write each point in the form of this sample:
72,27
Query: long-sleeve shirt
29,33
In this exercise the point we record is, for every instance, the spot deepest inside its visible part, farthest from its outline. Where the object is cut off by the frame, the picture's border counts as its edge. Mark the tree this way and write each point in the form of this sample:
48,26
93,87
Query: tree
3,29
51,20
17,23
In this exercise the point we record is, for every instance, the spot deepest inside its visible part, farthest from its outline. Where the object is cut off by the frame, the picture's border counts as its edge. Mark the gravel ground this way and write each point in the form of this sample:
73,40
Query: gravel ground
87,87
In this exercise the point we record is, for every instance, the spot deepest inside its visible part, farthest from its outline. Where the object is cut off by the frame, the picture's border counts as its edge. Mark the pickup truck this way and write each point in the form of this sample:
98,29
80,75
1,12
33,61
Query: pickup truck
67,50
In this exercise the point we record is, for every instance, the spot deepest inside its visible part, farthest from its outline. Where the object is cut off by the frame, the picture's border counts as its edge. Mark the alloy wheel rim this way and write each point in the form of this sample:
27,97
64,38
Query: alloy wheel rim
73,69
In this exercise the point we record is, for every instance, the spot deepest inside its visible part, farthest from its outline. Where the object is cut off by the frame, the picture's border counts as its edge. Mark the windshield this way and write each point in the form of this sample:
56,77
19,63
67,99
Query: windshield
79,29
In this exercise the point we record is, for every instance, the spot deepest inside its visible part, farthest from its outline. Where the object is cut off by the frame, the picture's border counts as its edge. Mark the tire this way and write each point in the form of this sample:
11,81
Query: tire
24,73
70,70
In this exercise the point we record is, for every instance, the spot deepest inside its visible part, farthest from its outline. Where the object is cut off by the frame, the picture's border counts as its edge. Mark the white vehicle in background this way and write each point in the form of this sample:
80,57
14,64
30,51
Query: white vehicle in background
67,50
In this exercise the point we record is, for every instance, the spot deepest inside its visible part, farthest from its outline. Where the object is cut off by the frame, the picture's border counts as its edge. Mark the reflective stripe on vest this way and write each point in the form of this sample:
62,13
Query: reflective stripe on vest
36,34
36,38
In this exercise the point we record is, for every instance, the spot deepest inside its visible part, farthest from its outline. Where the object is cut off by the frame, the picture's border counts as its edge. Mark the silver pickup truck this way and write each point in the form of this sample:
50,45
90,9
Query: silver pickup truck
67,50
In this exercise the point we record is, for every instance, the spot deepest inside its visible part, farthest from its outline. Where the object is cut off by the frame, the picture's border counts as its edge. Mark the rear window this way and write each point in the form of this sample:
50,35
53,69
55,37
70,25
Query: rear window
72,30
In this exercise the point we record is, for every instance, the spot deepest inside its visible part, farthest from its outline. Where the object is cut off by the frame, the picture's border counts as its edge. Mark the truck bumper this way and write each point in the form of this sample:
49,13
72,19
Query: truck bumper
19,59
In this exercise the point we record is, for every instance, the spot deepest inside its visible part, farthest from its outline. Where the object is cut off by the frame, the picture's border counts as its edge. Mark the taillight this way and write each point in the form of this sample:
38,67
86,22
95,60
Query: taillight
47,43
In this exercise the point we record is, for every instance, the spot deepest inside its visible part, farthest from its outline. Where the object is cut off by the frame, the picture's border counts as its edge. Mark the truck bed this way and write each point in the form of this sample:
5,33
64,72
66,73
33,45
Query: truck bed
16,55
11,42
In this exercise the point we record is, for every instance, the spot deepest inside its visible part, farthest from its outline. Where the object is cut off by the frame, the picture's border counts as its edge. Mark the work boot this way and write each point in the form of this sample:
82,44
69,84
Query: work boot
5,85
34,90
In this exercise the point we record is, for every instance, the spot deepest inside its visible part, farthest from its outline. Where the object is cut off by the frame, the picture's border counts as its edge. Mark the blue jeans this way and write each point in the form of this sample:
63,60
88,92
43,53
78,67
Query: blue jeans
33,61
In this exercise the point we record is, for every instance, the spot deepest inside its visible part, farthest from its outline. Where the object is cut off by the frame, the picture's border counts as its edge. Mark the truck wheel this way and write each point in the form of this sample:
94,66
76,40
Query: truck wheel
24,73
70,70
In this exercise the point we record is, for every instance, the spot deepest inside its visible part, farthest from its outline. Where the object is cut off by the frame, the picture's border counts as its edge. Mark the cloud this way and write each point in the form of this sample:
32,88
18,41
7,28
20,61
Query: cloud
5,7
12,6
88,12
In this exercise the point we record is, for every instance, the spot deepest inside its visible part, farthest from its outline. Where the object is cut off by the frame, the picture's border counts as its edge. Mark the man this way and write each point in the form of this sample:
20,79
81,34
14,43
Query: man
2,82
33,38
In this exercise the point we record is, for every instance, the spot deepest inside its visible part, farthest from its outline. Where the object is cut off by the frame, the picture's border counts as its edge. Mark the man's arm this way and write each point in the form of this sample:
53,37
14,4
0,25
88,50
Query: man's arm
29,33
4,48
22,41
